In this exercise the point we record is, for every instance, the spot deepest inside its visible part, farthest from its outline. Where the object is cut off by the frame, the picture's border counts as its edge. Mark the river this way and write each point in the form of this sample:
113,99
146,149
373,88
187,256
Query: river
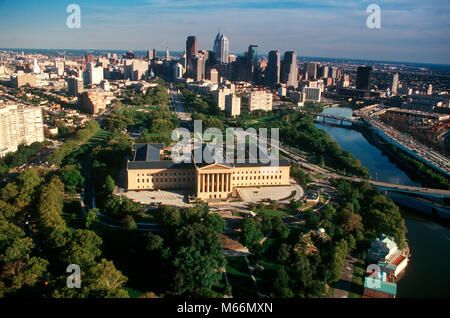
427,274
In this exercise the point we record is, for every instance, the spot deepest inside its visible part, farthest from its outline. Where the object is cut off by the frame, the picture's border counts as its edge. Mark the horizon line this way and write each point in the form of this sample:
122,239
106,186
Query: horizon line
234,53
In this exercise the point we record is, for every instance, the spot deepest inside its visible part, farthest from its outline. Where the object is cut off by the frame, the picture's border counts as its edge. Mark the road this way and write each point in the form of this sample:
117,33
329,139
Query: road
342,288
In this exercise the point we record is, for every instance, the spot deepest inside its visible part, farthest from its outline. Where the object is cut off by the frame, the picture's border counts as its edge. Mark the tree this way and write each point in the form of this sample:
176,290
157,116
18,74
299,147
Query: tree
71,177
128,223
92,218
153,242
83,249
281,284
105,281
215,222
109,184
250,232
197,259
284,253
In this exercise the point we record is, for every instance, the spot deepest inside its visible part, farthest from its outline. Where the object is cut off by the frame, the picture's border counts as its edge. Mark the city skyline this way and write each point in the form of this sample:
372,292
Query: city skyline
411,31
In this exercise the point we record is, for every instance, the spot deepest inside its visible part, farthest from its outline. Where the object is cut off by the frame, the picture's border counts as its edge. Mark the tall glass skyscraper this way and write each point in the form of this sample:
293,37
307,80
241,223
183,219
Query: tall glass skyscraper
221,48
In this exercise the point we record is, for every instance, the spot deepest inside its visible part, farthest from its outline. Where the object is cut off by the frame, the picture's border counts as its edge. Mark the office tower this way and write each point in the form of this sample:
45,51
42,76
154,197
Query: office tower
273,68
260,100
363,77
221,48
394,88
191,46
312,94
191,53
323,71
430,90
289,70
251,63
94,75
178,71
19,124
311,71
252,55
213,75
150,55
232,105
89,58
92,102
198,68
74,86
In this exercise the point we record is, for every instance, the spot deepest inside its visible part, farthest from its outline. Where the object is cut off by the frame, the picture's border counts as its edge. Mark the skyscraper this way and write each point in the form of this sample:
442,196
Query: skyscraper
191,53
311,70
394,88
273,68
363,78
221,48
191,46
289,70
252,62
150,55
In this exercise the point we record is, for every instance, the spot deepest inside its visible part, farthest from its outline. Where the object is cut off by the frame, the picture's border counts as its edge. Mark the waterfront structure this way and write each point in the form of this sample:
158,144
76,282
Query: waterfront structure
232,105
218,181
388,256
19,124
363,75
289,70
260,100
221,48
382,248
273,69
74,86
379,287
92,101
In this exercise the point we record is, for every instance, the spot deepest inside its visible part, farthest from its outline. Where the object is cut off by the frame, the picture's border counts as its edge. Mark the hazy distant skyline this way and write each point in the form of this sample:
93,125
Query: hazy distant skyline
412,31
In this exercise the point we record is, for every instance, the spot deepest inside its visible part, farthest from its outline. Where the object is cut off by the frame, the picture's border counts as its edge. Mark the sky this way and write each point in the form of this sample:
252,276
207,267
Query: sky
411,30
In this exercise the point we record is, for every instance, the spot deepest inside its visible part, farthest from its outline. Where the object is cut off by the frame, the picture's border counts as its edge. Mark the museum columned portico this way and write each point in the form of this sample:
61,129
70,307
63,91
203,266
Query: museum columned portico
214,182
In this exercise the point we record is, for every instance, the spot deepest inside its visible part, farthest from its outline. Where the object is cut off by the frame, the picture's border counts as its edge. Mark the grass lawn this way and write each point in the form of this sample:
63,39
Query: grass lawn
137,108
357,287
278,212
265,278
239,278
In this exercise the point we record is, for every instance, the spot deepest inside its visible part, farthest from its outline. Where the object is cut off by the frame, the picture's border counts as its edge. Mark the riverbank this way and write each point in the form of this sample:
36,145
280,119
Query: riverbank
400,158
